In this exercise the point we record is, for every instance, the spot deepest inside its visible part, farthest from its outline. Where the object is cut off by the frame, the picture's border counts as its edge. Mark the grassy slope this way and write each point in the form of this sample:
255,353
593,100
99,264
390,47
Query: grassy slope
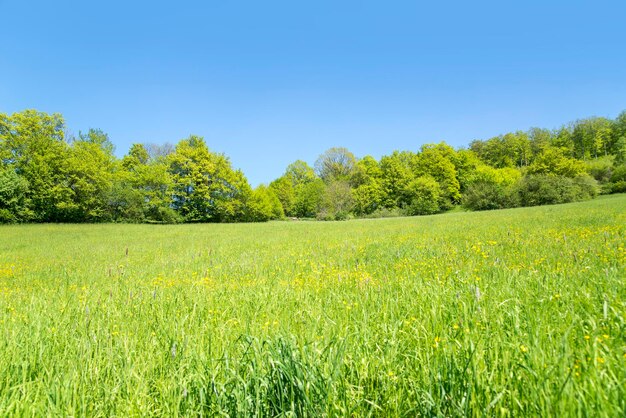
511,312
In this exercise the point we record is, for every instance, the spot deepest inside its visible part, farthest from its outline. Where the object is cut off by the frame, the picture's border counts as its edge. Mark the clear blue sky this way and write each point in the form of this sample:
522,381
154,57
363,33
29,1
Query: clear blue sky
268,82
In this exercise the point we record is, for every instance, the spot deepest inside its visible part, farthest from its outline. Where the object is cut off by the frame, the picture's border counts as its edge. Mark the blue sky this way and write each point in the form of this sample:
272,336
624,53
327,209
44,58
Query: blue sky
269,82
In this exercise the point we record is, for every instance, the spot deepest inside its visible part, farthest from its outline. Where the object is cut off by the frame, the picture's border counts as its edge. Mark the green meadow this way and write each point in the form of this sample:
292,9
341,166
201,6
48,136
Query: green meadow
518,312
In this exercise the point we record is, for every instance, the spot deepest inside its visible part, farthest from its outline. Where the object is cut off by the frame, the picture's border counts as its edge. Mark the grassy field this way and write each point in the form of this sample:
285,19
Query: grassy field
510,313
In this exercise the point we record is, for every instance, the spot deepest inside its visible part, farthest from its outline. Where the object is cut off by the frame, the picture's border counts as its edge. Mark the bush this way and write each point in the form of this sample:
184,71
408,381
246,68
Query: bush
537,190
586,187
324,215
489,196
618,180
618,187
385,213
7,217
166,215
600,168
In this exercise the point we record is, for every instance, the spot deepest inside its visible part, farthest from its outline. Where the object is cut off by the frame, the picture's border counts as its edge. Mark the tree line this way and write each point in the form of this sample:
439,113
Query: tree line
47,175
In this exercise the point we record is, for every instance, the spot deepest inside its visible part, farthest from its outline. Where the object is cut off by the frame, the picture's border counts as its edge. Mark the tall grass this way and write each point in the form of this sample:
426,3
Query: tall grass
509,313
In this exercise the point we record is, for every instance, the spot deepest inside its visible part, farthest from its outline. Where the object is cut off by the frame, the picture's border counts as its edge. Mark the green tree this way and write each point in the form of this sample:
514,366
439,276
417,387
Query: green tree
289,185
263,205
562,139
32,145
618,180
591,137
285,192
494,152
435,160
499,176
308,199
465,163
396,176
539,139
552,161
618,142
205,187
620,150
13,197
600,168
485,195
541,189
423,194
337,201
299,172
336,164
143,188
519,148
368,191
368,197
88,173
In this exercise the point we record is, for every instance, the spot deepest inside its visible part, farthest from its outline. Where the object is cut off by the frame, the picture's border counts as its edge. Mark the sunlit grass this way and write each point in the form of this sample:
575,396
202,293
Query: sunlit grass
518,312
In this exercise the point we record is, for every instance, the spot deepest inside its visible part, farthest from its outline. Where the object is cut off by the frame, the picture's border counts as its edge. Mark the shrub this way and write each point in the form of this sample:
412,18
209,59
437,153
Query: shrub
618,180
585,187
167,215
488,196
534,190
600,168
618,187
385,213
619,173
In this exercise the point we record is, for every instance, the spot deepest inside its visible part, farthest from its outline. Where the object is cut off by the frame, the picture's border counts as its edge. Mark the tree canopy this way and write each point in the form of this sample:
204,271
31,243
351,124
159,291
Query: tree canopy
47,175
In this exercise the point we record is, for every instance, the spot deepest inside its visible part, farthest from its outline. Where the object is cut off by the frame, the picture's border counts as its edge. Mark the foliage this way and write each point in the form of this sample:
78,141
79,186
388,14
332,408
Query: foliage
289,187
552,161
488,195
368,197
88,174
435,160
263,205
618,179
205,187
536,190
13,192
424,193
509,150
153,183
337,201
600,168
498,176
336,164
48,176
299,172
285,191
32,144
385,213
591,137
368,192
396,174
308,199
